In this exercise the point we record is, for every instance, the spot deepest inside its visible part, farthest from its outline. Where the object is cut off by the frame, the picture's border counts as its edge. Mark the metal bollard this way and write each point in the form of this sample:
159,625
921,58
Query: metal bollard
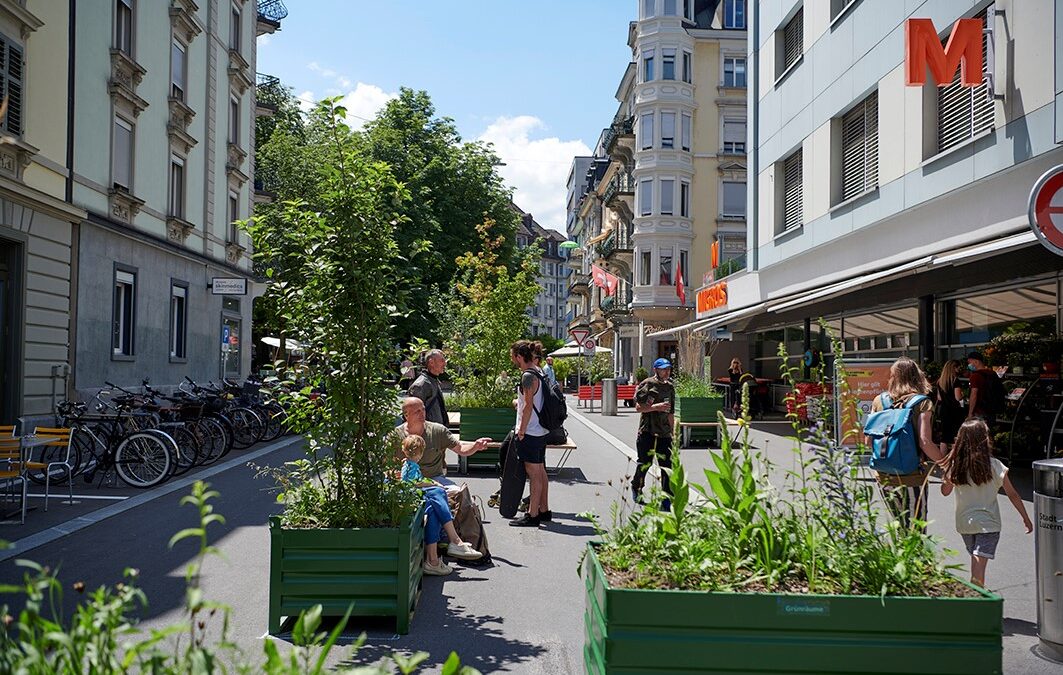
609,396
1048,545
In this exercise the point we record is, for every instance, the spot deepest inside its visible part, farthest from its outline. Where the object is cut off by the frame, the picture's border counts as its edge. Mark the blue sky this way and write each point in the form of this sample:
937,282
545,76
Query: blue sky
535,77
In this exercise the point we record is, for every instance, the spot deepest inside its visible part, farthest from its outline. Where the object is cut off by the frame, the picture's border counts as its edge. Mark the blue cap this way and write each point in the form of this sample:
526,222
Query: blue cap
661,363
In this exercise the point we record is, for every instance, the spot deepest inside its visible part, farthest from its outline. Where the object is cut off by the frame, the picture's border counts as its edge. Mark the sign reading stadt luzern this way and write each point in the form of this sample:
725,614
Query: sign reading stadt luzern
922,50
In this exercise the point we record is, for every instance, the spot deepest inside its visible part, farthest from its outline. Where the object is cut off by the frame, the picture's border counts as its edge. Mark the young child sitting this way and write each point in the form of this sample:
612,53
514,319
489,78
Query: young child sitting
439,516
977,476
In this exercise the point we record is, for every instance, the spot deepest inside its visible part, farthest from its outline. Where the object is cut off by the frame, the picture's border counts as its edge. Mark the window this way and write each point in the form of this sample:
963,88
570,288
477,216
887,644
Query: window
122,155
646,131
123,27
234,28
734,72
646,197
177,71
684,199
234,215
178,320
647,66
644,268
688,10
964,112
684,267
837,7
793,41
688,72
860,148
668,64
668,130
734,14
734,137
665,278
670,8
667,197
647,9
123,312
734,199
234,120
792,200
177,187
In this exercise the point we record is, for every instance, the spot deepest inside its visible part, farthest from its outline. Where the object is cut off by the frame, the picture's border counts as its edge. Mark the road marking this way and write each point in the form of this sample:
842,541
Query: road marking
20,547
66,498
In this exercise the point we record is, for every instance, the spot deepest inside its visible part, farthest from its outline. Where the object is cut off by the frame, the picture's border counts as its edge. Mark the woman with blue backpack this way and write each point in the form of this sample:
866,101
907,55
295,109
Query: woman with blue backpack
899,430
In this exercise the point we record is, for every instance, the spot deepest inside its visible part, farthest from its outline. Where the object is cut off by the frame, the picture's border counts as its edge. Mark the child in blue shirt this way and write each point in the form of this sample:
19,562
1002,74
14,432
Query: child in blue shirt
439,515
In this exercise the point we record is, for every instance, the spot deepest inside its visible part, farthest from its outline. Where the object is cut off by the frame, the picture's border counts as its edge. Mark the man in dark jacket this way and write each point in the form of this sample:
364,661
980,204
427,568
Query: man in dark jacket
426,387
655,399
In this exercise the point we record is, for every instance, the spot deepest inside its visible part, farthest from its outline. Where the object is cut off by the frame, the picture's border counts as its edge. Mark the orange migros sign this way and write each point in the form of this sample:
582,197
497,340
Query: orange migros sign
712,297
923,50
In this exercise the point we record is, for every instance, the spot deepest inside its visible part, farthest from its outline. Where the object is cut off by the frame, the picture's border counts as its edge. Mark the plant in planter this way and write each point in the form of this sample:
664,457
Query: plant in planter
485,313
697,401
807,576
335,273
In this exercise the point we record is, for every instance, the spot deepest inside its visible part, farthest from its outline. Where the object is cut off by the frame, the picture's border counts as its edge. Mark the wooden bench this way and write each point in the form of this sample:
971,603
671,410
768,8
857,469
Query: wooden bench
566,449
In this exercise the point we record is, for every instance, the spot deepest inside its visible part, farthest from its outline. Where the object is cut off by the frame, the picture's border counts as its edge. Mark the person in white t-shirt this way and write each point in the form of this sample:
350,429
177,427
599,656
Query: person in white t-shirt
977,476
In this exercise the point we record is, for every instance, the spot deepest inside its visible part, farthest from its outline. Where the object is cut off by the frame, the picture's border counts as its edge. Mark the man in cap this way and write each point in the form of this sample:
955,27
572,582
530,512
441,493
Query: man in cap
655,400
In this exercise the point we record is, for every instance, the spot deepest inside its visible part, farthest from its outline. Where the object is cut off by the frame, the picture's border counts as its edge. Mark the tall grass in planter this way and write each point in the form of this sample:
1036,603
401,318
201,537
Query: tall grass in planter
335,272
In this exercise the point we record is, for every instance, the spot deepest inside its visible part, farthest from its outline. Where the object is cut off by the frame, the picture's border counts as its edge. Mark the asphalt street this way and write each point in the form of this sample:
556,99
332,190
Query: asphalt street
523,614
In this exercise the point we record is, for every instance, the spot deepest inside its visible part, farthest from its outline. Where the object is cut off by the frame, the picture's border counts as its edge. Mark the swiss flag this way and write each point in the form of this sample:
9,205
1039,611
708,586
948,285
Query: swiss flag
602,279
679,290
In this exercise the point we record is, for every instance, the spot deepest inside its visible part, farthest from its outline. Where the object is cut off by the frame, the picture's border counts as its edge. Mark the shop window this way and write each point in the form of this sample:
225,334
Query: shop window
859,148
883,334
964,112
978,319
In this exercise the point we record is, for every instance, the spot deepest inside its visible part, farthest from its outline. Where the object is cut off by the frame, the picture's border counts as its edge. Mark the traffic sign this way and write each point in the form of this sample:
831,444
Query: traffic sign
589,345
579,335
1046,209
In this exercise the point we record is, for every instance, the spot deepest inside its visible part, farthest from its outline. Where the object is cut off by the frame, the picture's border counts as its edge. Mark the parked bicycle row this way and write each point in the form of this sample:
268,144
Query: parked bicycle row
146,437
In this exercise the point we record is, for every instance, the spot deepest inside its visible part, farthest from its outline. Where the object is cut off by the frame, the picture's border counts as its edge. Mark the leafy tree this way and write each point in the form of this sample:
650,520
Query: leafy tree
549,342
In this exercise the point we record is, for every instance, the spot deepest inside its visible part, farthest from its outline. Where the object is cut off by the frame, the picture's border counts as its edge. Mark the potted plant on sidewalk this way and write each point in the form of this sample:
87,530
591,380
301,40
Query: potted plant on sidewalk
696,399
349,534
805,577
486,313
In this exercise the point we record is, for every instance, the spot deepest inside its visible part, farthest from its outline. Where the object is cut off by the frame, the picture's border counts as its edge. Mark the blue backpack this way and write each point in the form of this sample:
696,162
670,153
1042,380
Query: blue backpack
894,438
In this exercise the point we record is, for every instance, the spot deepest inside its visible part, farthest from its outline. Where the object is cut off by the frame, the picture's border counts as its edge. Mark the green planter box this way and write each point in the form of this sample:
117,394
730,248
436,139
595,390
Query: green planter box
376,569
493,423
699,409
651,631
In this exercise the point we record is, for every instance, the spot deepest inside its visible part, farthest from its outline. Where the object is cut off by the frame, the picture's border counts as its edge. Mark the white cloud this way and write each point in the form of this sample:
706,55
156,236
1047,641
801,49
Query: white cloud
307,101
364,102
536,167
264,40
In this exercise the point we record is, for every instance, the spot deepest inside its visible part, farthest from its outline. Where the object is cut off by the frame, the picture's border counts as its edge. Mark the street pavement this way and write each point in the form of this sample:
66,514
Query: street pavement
522,614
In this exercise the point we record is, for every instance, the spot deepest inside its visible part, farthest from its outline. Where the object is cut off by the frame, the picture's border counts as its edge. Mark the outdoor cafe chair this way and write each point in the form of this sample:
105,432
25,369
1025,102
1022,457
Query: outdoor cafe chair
58,437
12,468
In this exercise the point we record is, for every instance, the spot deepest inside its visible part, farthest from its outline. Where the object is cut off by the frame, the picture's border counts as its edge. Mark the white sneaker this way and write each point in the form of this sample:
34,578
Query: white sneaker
440,569
464,551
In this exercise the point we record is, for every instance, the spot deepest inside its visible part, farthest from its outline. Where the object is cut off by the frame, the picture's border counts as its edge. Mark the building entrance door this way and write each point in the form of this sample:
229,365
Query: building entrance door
10,338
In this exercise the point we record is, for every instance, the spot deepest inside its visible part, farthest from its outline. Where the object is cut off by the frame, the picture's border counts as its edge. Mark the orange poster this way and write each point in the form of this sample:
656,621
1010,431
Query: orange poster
865,381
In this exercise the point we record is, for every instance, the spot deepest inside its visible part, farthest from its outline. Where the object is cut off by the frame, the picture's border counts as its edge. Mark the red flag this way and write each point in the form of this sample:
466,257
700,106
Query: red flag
603,280
679,290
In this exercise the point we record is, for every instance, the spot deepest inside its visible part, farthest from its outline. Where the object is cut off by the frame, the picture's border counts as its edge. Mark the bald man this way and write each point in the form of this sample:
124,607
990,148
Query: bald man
437,439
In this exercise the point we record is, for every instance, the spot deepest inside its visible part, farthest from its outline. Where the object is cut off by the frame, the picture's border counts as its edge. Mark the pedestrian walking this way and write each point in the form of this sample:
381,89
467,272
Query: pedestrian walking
987,391
655,400
905,494
530,434
948,409
427,388
976,476
735,374
548,371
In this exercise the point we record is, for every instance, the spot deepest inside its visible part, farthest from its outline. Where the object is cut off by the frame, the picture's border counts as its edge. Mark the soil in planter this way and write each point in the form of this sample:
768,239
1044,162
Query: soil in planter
658,580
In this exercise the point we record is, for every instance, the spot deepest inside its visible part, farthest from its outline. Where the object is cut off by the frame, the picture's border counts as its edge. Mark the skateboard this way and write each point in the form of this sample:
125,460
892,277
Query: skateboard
513,478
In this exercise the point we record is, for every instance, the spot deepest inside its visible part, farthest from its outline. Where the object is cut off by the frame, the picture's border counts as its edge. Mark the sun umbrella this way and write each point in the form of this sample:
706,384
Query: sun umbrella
568,244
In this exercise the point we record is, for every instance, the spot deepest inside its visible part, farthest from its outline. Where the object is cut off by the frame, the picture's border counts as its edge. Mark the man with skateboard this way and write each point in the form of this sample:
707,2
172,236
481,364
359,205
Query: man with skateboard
655,400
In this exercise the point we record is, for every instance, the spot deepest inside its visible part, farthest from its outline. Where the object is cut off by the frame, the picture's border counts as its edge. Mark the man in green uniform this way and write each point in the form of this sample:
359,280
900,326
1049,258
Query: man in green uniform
655,399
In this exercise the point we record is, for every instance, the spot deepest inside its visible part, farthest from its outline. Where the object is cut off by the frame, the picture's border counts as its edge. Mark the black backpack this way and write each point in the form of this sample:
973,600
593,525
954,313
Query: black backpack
554,412
995,394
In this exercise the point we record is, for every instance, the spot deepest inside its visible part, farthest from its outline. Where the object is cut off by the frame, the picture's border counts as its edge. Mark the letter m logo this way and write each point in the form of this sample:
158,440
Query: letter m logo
922,50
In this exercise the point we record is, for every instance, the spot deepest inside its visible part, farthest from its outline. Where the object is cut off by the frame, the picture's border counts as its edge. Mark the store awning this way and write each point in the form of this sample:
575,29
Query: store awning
711,322
988,248
843,287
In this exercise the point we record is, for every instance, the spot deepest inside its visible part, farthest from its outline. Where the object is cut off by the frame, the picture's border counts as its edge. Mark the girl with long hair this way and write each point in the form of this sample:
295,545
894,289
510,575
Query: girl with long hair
949,413
976,476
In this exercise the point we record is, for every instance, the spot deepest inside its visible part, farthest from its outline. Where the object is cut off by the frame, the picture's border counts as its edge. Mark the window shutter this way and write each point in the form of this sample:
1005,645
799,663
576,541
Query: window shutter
965,112
792,211
860,148
793,39
13,121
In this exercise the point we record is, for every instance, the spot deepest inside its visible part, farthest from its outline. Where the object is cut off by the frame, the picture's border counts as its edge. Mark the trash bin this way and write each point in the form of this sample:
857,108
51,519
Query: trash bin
609,396
1048,545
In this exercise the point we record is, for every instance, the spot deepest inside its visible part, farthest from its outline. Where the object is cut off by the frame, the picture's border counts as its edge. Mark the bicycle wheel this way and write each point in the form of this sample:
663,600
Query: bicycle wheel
171,445
143,459
212,438
226,426
247,427
273,415
187,449
60,474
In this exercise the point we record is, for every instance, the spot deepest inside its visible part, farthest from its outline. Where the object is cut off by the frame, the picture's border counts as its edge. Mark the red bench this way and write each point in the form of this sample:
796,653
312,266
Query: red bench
624,392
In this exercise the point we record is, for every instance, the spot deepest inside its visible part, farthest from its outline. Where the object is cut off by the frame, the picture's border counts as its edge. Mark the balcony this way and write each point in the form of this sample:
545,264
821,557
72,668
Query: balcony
267,87
619,129
621,185
262,195
270,15
578,283
616,305
616,242
729,267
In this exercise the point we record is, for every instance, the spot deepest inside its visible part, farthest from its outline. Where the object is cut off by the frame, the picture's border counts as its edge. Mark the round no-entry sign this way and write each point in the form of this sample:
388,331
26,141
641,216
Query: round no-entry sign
1046,209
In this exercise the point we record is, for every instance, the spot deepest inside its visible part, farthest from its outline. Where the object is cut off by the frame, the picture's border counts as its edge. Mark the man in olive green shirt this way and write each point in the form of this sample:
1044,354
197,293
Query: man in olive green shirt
655,400
437,439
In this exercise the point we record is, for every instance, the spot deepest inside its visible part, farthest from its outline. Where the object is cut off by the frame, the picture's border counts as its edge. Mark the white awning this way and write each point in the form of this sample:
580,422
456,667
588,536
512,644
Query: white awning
711,322
970,253
844,286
